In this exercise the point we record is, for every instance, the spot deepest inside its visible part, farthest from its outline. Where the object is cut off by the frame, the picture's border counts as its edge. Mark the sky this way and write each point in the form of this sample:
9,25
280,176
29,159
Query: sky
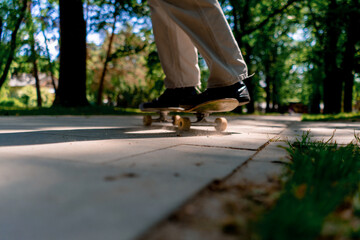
97,38
53,36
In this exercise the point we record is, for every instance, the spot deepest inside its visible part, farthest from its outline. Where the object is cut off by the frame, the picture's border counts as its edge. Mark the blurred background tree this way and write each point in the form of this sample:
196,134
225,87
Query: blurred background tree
305,53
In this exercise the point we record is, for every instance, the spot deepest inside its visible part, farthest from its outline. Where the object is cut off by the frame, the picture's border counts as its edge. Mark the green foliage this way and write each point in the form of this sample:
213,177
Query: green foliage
283,42
133,95
7,99
331,117
134,73
24,97
28,96
11,102
319,177
9,12
102,12
90,110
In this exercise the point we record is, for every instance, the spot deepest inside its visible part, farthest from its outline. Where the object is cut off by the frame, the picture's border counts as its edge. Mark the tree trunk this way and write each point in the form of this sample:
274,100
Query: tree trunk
1,29
34,62
317,76
348,63
107,60
71,91
275,94
268,94
241,18
50,64
244,22
315,98
272,71
34,56
250,82
268,82
332,82
37,83
347,71
13,43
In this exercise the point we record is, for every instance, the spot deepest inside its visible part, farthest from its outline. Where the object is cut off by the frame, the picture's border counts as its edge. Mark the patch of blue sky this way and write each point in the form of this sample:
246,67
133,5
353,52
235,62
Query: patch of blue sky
300,35
93,36
98,37
51,33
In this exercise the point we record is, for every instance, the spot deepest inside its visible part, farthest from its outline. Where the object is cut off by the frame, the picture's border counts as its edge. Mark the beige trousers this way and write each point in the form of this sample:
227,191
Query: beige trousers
181,28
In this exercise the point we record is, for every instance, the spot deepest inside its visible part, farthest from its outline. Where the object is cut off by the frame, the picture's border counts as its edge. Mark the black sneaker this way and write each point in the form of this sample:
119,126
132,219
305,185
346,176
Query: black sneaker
170,99
237,91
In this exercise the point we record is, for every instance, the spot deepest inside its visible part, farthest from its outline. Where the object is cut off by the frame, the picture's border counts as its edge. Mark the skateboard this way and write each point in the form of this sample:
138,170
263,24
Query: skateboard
201,111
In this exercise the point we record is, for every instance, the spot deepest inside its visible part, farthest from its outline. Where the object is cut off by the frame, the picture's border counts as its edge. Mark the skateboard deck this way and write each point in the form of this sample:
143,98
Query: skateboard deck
201,111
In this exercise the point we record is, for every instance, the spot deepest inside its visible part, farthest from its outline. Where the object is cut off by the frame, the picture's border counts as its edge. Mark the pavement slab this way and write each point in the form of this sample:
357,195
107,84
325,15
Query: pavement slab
264,166
274,152
56,199
342,132
108,177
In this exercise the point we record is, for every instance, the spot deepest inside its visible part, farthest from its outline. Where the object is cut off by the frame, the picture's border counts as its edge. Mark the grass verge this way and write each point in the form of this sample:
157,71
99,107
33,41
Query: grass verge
320,178
90,110
331,117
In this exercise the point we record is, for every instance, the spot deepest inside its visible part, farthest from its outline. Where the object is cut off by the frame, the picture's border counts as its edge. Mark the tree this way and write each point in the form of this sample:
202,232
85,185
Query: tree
347,69
31,27
46,22
107,60
106,15
250,21
72,82
241,15
334,27
13,45
332,81
314,53
126,70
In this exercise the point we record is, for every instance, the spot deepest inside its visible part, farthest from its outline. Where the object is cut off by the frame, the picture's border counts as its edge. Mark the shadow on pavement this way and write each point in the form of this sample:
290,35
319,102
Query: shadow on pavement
60,136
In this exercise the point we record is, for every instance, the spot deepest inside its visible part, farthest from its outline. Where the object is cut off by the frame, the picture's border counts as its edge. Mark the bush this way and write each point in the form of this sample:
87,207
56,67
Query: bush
11,102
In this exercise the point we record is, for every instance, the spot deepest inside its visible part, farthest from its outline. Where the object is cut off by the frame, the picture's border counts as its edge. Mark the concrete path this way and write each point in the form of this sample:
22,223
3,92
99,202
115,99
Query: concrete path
110,178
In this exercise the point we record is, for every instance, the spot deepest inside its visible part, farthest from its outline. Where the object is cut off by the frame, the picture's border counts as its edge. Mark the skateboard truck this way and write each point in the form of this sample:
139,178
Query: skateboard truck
201,112
184,123
163,118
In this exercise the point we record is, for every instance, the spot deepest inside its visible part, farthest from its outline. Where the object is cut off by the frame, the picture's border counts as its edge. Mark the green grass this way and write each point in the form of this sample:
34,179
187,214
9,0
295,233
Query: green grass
331,117
90,110
320,176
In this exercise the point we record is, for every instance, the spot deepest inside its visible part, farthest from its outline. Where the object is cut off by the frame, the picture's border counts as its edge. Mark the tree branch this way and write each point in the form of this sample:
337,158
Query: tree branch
13,43
1,28
317,33
273,14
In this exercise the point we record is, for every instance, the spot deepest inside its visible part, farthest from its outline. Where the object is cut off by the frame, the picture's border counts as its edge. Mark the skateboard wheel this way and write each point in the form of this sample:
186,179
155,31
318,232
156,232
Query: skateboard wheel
147,120
184,124
176,120
221,124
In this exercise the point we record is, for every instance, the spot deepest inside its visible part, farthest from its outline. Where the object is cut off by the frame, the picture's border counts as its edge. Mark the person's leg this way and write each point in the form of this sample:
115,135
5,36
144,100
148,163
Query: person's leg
179,60
178,55
204,22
